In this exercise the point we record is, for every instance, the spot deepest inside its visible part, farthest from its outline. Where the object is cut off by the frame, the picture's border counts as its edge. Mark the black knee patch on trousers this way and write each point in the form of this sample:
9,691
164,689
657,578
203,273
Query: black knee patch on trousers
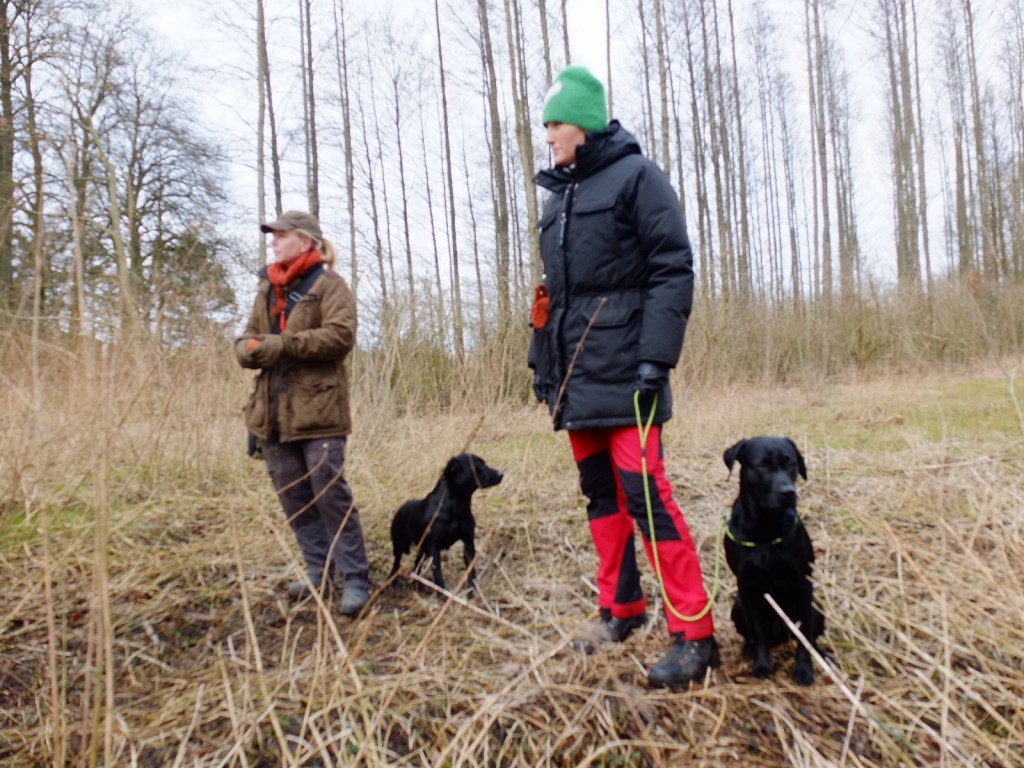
636,502
597,482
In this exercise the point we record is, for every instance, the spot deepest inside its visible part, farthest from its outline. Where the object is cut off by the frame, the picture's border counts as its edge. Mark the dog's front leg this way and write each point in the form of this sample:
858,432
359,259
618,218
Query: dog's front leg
435,556
803,666
394,567
755,605
469,555
762,660
420,554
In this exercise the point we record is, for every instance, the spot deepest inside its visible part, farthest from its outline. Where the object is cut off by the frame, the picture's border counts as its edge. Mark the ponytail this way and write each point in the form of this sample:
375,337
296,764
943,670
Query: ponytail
328,253
322,244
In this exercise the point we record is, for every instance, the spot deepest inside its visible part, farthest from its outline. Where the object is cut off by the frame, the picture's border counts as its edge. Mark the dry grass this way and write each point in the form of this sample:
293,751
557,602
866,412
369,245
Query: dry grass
143,559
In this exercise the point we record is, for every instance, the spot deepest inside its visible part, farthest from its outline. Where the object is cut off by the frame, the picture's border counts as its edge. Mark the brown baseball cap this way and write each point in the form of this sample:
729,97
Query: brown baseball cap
290,220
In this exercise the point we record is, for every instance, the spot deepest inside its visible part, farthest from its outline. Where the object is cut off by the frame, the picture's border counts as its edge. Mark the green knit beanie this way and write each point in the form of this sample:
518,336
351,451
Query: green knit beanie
576,97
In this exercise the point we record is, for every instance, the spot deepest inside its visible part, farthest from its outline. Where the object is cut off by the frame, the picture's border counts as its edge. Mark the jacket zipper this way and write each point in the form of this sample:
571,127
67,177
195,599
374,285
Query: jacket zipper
567,201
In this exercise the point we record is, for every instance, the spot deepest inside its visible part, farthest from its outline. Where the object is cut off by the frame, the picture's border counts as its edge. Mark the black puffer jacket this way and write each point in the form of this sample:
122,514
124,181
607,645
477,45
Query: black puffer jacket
616,258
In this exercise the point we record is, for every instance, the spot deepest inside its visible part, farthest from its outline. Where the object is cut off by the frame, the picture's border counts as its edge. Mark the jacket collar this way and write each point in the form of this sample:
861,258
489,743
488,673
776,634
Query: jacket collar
601,149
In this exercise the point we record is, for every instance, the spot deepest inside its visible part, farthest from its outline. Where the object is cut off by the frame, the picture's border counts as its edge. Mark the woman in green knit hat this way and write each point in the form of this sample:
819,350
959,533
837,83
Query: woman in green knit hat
608,327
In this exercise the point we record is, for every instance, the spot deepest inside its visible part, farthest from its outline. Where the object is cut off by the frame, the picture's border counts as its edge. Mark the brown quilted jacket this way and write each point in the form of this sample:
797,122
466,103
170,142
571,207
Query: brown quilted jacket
305,395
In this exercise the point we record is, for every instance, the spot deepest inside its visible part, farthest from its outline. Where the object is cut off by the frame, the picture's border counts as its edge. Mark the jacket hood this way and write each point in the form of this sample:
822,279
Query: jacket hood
601,149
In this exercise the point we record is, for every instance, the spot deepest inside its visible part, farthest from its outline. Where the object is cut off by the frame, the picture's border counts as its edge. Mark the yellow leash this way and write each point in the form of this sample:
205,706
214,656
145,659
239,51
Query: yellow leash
644,430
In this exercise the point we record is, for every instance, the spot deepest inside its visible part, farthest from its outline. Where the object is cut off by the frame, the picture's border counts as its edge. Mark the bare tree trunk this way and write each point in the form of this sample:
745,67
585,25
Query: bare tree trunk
763,40
707,283
407,236
542,11
261,128
565,33
989,261
727,213
452,234
1015,67
275,157
384,245
849,240
378,244
743,255
309,108
127,304
441,326
812,104
659,36
789,174
715,131
498,165
9,11
74,153
821,144
922,190
649,130
304,73
40,268
894,28
341,55
963,225
481,306
524,132
677,134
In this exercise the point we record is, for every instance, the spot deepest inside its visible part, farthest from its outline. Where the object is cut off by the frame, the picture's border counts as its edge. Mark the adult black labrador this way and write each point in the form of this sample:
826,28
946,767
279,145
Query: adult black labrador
770,551
444,517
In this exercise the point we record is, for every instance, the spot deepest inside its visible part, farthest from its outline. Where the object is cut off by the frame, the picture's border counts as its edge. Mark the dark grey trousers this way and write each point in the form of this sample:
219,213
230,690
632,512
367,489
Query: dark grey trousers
308,476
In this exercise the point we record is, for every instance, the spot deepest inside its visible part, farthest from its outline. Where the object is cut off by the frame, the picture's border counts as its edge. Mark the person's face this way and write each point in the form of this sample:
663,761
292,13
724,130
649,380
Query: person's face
288,244
563,138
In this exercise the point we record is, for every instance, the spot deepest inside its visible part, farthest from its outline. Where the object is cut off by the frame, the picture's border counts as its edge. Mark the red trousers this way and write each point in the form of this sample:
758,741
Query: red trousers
611,477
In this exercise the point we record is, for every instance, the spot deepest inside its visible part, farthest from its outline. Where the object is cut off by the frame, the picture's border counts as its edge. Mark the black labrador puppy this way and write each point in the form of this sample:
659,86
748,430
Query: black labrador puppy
445,516
770,551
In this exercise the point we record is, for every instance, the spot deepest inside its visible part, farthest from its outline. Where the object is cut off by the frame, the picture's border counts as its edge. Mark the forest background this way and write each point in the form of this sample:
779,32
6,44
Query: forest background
852,174
873,160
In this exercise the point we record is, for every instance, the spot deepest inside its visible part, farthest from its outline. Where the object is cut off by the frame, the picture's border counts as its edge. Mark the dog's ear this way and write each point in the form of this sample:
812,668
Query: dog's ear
801,467
732,454
452,468
459,472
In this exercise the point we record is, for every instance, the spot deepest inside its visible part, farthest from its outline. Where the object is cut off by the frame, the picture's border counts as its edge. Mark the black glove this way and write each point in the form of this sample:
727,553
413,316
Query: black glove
538,388
651,378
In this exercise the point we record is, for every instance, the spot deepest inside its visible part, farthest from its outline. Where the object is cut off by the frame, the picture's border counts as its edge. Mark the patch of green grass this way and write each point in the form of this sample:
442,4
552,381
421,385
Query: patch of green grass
982,407
19,529
976,410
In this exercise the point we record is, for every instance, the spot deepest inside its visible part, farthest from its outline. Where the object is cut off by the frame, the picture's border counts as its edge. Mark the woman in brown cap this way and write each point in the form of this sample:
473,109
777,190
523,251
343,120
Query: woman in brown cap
301,329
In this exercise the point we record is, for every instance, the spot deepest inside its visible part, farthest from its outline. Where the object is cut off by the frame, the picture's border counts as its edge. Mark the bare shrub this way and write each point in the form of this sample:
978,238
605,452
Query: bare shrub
144,559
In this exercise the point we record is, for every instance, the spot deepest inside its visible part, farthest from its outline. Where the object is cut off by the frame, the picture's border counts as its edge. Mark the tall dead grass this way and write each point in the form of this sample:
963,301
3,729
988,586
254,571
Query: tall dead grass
144,557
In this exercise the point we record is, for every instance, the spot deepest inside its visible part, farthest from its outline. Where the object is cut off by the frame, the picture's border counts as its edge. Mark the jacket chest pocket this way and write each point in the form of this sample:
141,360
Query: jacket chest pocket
594,243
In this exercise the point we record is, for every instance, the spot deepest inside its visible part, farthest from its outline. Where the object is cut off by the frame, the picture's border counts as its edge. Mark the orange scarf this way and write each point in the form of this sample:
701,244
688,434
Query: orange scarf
282,273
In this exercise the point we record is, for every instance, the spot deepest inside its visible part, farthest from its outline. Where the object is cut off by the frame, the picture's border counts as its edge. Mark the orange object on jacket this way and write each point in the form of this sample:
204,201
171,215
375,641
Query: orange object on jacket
539,309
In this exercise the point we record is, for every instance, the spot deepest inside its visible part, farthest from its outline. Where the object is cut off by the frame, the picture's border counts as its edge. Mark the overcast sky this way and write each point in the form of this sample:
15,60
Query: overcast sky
191,30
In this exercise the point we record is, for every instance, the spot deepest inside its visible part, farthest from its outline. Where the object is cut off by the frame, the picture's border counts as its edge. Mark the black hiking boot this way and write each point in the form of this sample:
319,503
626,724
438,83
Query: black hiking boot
607,630
686,660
